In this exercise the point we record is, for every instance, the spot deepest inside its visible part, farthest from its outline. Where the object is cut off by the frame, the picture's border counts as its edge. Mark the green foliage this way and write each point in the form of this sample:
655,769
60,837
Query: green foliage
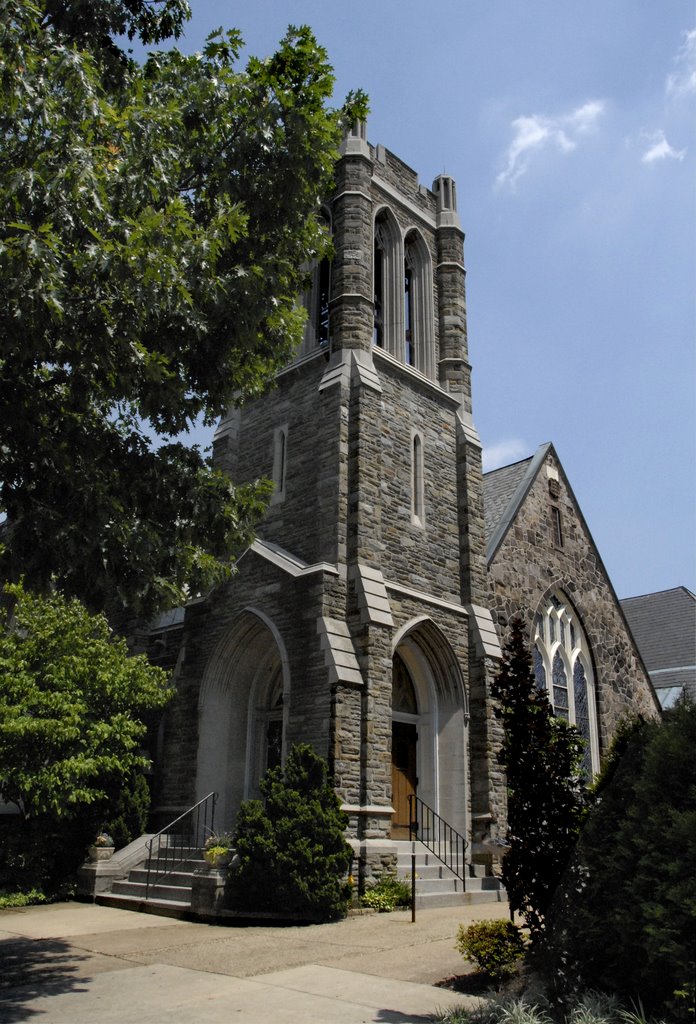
10,900
624,920
591,1008
542,759
496,947
498,1011
124,813
72,705
74,708
151,252
292,854
386,894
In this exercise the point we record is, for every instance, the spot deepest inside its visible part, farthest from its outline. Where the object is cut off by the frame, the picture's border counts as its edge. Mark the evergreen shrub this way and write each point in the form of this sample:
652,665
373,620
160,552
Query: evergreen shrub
292,856
542,758
495,946
624,920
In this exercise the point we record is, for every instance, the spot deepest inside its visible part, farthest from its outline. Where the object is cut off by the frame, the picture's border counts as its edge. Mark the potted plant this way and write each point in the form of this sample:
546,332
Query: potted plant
217,850
102,847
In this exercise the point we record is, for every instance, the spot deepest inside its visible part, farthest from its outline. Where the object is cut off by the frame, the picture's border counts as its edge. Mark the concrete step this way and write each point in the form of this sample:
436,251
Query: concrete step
457,899
176,893
183,876
164,908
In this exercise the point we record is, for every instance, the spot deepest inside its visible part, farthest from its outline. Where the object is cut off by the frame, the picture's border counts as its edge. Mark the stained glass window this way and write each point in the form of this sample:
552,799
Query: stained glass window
539,670
560,687
582,713
562,664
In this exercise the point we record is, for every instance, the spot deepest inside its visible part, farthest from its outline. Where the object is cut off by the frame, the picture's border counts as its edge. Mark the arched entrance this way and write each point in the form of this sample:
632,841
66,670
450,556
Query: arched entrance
429,726
404,746
242,710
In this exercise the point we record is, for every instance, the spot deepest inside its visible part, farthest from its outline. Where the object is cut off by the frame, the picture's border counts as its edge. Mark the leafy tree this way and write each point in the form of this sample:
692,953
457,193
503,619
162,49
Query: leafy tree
73,706
154,223
624,920
542,759
292,854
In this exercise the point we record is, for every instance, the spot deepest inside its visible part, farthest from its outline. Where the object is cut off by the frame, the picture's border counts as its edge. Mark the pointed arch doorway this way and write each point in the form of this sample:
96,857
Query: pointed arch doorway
429,727
404,746
243,706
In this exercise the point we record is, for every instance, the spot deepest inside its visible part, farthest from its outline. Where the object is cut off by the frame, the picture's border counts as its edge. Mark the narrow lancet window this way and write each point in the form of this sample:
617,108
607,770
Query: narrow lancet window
378,275
409,324
417,498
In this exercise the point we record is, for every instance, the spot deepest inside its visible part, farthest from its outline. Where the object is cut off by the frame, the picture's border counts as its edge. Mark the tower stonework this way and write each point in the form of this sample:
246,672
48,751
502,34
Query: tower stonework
358,621
353,622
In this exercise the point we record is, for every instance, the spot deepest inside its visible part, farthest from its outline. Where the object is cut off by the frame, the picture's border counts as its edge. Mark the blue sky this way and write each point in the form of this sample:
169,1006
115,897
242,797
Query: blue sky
569,128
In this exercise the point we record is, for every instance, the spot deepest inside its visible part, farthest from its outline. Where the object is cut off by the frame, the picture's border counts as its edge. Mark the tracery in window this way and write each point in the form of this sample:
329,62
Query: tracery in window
563,665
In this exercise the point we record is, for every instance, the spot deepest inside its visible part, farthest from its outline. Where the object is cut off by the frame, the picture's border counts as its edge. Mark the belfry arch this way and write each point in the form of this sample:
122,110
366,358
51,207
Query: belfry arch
242,713
429,724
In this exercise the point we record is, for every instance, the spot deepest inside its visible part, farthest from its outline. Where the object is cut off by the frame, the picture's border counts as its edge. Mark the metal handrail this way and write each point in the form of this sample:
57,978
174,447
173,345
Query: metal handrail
438,836
172,845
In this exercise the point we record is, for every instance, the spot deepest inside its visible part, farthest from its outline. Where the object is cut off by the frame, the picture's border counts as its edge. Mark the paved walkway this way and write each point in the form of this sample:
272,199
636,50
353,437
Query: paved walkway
75,963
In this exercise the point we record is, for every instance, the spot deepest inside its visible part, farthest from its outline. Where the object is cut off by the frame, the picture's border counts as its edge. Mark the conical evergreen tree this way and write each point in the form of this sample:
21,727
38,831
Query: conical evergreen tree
542,757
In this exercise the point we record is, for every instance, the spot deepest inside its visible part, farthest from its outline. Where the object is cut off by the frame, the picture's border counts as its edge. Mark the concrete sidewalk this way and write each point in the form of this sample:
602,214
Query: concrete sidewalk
78,963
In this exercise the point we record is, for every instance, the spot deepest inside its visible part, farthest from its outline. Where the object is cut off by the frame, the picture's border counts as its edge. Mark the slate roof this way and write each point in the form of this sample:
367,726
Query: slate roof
499,487
664,627
504,490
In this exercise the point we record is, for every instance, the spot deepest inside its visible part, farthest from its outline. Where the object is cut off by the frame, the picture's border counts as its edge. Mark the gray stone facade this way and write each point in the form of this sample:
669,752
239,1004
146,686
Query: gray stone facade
371,562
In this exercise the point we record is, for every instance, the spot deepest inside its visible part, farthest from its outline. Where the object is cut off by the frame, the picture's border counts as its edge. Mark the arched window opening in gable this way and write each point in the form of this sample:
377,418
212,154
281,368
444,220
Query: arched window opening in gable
561,655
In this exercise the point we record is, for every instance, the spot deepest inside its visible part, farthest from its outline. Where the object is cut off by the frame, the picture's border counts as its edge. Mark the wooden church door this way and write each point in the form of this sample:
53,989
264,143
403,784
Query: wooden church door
404,779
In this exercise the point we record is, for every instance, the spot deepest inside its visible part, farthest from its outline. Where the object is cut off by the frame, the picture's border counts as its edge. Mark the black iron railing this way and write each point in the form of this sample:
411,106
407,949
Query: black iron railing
179,840
438,836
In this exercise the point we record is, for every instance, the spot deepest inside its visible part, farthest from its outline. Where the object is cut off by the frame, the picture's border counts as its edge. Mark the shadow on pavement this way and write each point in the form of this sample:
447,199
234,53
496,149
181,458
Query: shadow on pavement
30,968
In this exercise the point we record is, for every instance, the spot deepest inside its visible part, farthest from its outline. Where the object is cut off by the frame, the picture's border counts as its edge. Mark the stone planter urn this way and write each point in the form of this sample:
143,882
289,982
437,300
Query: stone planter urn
98,853
218,860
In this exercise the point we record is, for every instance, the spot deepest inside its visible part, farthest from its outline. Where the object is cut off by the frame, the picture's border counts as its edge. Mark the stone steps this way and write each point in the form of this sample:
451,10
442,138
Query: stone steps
171,895
438,886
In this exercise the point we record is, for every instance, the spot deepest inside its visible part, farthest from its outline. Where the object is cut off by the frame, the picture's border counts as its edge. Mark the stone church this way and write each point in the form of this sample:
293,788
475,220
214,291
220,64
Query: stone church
368,616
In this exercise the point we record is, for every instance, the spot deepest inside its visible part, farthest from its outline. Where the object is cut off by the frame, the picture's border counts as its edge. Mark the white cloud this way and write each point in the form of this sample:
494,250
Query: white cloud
660,149
682,81
502,453
539,131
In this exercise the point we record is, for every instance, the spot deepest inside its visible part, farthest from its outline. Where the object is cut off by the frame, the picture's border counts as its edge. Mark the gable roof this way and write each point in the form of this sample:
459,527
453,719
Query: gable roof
664,627
504,490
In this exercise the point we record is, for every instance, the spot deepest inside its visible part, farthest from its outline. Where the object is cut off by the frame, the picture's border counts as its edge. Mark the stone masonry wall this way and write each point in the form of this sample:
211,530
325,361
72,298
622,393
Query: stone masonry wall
529,565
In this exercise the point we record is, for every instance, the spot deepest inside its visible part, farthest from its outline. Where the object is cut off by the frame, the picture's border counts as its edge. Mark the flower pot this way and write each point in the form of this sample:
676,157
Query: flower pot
218,860
97,853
